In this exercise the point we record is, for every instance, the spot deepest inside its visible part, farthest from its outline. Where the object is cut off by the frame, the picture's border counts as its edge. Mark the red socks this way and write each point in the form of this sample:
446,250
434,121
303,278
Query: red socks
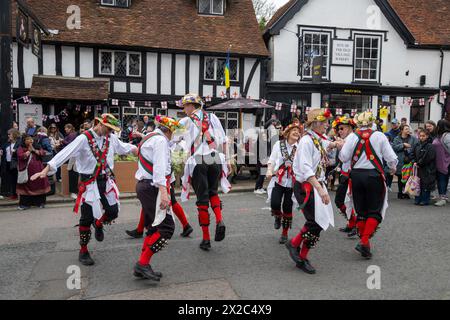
83,248
179,212
369,229
203,218
352,222
304,252
99,222
140,226
215,206
297,240
360,226
147,254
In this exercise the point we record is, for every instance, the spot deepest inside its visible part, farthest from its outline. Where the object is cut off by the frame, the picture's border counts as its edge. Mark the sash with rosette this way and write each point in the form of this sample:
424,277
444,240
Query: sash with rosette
102,164
288,159
147,164
203,126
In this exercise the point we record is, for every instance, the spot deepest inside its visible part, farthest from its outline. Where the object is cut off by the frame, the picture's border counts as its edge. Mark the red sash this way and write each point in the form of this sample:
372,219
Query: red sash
365,146
203,126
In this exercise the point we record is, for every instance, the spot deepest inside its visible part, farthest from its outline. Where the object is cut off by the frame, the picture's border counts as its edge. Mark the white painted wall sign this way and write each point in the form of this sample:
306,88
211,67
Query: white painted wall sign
343,52
29,111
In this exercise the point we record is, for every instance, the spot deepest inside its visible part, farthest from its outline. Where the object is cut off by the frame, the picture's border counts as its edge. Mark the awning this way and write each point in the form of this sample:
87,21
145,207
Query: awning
69,88
240,103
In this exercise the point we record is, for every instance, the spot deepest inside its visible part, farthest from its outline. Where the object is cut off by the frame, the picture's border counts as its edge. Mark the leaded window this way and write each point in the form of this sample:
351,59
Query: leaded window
215,69
134,68
106,62
367,58
315,44
119,63
215,7
117,3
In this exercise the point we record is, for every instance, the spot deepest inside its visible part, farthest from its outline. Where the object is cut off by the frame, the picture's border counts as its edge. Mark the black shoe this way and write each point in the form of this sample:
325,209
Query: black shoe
283,239
205,245
85,259
134,233
99,235
353,233
220,231
187,230
346,229
406,196
306,266
399,195
364,250
293,252
146,272
277,223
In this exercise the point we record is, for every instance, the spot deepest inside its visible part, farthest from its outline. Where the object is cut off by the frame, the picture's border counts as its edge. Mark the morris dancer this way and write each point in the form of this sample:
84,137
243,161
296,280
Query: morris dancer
365,149
94,151
206,166
280,186
344,126
310,188
153,188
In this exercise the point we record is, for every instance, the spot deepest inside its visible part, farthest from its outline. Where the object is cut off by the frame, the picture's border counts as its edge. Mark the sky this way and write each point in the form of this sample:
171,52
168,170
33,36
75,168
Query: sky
279,3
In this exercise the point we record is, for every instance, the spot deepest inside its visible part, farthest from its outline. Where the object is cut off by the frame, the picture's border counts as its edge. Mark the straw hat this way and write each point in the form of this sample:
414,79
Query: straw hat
344,120
191,98
291,127
171,124
364,119
108,120
320,115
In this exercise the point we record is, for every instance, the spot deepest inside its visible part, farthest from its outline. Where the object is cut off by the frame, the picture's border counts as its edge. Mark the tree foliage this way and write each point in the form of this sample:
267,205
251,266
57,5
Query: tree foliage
264,10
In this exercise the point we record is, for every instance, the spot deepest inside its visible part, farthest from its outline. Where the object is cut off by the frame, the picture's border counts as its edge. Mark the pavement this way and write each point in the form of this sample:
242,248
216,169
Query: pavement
39,251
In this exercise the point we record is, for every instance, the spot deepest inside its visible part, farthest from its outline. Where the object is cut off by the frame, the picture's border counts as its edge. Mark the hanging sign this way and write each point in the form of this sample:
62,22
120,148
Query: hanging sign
22,28
36,45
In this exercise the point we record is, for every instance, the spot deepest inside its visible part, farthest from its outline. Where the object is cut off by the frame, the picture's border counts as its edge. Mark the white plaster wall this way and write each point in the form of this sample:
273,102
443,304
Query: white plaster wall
86,62
253,90
15,70
207,90
180,74
68,61
120,86
166,70
152,64
135,87
49,62
30,66
194,73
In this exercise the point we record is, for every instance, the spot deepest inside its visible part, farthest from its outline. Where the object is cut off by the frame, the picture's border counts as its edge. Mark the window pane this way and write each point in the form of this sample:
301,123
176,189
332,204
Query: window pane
324,50
373,64
122,3
374,54
106,63
375,43
218,6
373,74
233,69
359,53
359,42
358,74
324,38
358,63
308,38
108,2
365,74
316,38
367,42
120,63
221,69
135,65
210,68
204,6
366,53
366,64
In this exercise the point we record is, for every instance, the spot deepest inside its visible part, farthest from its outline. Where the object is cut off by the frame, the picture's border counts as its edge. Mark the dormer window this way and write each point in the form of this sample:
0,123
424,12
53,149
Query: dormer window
117,3
212,7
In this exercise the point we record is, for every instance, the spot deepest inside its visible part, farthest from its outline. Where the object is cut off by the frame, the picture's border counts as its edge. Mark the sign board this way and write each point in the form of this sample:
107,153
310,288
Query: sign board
342,52
317,69
29,111
22,28
36,45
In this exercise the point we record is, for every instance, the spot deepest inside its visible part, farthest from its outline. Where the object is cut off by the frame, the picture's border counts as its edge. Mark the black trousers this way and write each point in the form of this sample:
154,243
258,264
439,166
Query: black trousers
309,208
29,201
112,212
341,191
401,185
281,194
173,199
147,195
9,180
205,181
368,193
260,179
73,181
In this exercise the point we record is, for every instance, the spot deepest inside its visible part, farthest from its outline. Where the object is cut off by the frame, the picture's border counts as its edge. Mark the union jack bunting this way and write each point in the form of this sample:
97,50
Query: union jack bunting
293,108
164,105
132,104
278,106
115,102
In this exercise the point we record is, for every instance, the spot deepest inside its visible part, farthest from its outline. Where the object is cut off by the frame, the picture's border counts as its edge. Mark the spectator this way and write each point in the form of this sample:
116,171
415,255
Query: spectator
70,135
430,126
425,160
42,140
15,125
403,146
31,193
9,164
270,122
441,145
403,121
73,175
56,138
149,125
32,128
395,130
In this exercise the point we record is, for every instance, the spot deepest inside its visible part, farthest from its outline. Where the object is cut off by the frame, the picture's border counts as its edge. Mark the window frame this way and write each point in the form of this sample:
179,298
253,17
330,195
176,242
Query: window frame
211,13
216,69
113,53
355,50
114,4
304,31
425,108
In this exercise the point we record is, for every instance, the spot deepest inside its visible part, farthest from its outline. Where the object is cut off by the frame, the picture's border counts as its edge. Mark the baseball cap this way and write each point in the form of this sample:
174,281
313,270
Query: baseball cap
394,121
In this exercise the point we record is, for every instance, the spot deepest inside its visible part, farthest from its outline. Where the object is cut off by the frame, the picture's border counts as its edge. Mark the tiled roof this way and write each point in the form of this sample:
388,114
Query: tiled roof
164,24
58,87
426,20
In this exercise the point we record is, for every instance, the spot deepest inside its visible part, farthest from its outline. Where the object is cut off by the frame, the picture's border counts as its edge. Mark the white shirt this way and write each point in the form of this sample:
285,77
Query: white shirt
380,145
85,159
276,160
9,152
308,158
192,132
156,150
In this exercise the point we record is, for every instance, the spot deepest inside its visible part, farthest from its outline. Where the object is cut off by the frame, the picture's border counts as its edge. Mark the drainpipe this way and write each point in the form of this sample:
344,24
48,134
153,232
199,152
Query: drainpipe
440,82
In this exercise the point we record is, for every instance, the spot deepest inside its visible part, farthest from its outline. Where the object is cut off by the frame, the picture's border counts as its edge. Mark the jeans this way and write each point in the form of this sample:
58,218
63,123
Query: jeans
442,182
424,197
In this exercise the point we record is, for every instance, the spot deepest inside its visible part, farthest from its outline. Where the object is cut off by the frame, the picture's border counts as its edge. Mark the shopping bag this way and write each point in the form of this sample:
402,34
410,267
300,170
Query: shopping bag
412,186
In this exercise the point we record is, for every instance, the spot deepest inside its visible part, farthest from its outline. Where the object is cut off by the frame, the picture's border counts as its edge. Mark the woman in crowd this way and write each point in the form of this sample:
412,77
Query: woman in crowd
403,146
31,193
56,138
9,164
441,145
430,126
71,135
425,161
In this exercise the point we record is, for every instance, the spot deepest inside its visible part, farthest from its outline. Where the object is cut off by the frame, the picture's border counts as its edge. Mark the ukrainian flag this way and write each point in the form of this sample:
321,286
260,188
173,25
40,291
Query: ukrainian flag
227,70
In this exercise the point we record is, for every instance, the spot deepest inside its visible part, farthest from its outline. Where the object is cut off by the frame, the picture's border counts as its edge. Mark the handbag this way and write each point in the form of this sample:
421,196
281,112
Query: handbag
22,176
412,186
